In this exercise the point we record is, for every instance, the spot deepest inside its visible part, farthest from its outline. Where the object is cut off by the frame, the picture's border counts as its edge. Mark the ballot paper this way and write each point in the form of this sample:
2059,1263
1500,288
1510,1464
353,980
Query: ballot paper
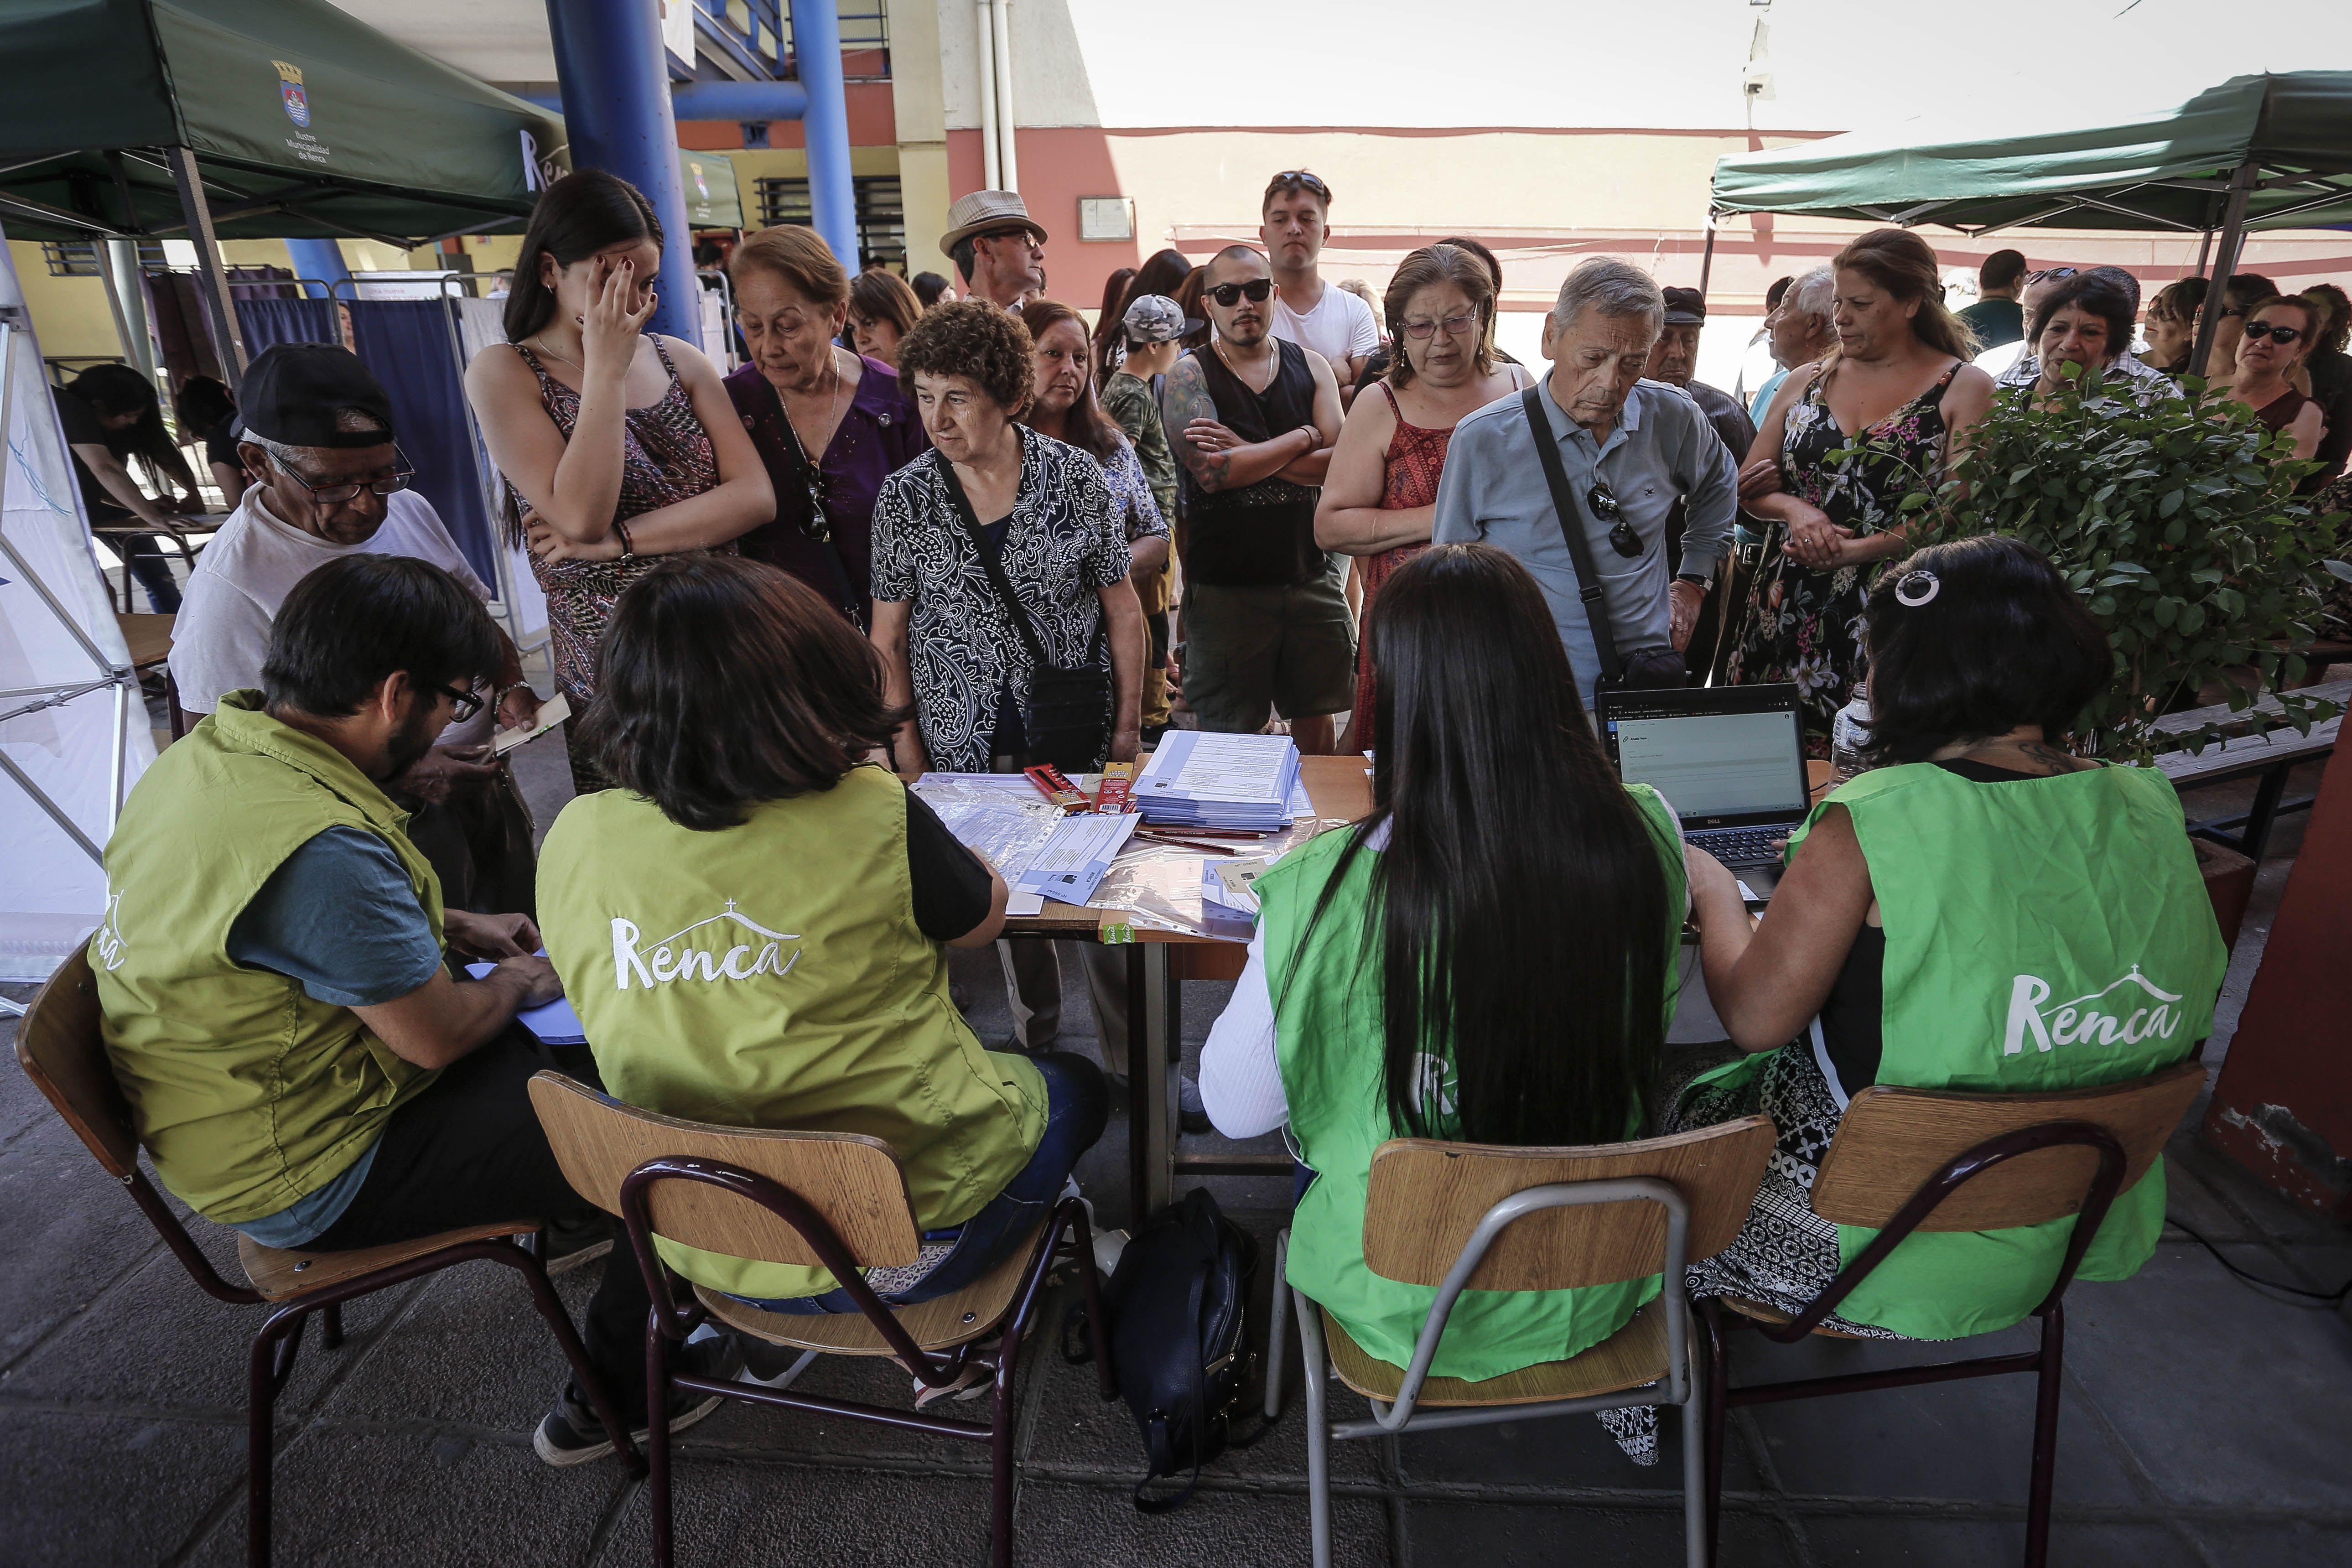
552,712
1233,883
1244,782
1071,862
554,1025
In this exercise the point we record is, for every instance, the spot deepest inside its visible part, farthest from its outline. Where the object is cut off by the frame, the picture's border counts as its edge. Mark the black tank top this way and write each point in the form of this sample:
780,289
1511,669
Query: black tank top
1262,534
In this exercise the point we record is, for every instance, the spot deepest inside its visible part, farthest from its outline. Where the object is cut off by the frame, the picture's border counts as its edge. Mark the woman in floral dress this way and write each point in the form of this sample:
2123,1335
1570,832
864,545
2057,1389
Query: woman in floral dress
1899,375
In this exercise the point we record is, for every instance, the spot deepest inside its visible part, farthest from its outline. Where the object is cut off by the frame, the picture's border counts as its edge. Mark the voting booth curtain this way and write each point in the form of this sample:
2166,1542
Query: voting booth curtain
407,343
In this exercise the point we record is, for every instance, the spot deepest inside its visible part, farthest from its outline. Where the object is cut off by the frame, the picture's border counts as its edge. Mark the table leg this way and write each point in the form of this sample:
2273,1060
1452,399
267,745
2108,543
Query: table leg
1154,1030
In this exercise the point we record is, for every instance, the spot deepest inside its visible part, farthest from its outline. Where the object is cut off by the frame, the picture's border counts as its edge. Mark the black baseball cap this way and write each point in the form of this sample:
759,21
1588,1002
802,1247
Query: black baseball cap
291,392
1685,307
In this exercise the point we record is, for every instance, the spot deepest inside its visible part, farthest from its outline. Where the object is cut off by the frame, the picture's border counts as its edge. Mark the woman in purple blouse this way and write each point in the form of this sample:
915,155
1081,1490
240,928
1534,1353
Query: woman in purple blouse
804,393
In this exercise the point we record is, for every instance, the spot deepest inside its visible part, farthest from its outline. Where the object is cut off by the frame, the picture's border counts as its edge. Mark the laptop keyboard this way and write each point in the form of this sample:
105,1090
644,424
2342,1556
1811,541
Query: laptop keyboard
1741,845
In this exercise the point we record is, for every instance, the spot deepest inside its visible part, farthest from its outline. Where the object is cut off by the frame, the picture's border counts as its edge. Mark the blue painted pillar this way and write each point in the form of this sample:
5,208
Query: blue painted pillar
615,83
321,260
816,55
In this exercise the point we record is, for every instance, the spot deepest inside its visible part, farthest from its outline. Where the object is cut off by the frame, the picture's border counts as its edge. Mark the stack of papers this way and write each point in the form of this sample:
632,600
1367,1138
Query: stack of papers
1238,783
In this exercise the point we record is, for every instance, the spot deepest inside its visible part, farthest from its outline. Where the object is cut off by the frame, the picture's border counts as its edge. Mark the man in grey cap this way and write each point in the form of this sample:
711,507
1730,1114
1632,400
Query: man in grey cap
1674,360
997,246
1152,329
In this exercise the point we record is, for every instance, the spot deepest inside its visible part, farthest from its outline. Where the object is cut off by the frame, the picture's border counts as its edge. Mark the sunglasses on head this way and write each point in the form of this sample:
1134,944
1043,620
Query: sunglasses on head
1230,294
2258,330
1604,504
1292,179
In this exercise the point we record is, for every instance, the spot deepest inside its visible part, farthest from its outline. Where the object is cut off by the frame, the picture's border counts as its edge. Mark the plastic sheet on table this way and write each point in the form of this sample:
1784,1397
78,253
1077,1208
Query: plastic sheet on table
1004,824
1159,884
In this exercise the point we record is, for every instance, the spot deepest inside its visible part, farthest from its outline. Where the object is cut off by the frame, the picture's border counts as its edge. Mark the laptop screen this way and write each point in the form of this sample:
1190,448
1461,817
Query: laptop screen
1713,767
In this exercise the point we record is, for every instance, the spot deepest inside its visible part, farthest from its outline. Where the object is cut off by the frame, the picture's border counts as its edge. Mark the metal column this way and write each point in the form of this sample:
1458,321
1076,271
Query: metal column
321,260
816,56
130,293
609,60
213,282
2225,261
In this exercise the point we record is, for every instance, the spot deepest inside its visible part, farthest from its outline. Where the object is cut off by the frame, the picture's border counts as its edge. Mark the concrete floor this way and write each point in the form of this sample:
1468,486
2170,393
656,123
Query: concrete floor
2204,1420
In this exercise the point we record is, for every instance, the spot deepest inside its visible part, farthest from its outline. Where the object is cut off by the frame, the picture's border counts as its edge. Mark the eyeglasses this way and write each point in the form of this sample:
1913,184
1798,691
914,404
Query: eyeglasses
817,525
1453,326
1228,295
336,495
1604,504
2273,331
467,704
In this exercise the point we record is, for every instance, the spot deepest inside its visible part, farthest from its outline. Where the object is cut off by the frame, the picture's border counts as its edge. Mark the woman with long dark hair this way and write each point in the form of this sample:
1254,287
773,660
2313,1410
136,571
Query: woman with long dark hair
882,309
1066,409
1488,957
111,414
615,445
1108,339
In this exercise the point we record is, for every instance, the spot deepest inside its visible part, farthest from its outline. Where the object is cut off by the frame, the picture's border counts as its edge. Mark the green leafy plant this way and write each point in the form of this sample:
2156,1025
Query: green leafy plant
2177,523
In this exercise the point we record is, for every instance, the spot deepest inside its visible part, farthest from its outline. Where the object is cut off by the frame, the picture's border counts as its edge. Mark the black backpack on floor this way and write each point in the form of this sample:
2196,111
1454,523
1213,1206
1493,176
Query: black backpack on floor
1178,1311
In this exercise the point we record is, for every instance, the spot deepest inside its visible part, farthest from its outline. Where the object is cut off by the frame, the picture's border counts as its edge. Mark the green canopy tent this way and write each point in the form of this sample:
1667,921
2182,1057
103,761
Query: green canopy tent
237,118
2257,151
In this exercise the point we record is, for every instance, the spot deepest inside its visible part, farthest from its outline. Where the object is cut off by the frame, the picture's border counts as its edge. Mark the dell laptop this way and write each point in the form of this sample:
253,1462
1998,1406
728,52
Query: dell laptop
1729,760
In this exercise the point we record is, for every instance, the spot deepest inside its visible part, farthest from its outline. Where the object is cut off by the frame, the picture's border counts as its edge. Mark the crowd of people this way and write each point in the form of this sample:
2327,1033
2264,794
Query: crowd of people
915,533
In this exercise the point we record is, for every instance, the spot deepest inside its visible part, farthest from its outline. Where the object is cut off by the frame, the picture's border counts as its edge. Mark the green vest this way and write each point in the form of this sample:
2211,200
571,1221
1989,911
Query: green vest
249,1094
2041,935
1328,1039
772,975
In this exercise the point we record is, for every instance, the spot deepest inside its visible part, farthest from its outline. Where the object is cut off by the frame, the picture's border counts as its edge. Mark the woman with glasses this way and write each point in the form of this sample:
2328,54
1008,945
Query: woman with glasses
2277,337
1379,498
615,444
829,426
1844,441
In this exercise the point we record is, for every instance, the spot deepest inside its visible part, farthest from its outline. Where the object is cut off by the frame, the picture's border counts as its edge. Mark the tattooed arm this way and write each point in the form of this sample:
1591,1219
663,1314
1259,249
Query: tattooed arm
1216,458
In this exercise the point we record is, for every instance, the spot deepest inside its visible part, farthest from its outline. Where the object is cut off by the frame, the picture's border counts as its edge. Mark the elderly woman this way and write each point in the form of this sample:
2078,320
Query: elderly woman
1843,442
1379,498
2080,328
2278,335
882,309
803,395
1909,939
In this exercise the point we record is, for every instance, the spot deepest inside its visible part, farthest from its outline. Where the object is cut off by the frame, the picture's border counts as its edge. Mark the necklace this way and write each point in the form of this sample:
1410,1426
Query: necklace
833,409
541,340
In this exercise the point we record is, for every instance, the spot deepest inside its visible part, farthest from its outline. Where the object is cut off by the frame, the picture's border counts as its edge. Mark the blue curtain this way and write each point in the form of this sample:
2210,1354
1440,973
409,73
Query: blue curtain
409,346
268,323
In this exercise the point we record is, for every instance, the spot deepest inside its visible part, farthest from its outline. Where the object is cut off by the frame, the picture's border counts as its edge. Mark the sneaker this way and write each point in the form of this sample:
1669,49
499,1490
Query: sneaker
1192,1111
571,1435
570,1243
772,1365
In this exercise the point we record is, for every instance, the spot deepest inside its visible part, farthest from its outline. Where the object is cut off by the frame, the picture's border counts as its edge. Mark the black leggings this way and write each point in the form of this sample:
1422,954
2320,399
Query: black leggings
470,1151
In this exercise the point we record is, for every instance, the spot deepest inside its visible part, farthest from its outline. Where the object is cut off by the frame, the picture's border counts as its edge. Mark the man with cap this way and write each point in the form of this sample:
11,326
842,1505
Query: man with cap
1151,328
997,246
317,428
1674,358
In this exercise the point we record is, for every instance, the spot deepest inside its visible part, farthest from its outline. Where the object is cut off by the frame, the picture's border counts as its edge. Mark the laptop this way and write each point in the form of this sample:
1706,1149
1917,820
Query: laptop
1729,760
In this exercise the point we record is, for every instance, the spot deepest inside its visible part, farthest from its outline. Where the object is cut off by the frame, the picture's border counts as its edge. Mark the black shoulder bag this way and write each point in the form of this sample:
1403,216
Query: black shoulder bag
1647,668
818,528
1068,716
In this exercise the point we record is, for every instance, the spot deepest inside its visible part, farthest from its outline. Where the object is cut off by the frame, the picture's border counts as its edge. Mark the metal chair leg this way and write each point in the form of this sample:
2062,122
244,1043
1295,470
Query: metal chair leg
1698,1528
269,1365
575,1352
999,1458
1319,1430
1278,1326
1715,1401
657,1436
2045,1436
330,1326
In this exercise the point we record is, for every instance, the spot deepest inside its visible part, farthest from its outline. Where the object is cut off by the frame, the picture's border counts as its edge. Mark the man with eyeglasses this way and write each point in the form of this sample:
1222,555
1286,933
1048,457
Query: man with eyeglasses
1253,419
1629,449
1293,216
318,430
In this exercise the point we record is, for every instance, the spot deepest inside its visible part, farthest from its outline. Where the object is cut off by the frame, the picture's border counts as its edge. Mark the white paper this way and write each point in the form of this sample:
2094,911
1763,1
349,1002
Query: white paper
1021,904
1222,767
555,1024
552,712
1070,863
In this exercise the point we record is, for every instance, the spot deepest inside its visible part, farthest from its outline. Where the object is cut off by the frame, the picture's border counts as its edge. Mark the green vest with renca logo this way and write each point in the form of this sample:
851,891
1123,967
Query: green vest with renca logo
2042,934
1329,1042
772,975
247,1093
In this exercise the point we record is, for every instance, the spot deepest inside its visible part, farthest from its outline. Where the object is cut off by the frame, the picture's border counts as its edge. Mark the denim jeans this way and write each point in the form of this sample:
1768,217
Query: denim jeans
1077,1104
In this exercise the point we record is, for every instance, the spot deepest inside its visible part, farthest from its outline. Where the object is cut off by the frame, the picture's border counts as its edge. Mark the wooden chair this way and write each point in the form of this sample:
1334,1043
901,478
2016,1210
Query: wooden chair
60,1049
833,1200
1469,1215
1909,1160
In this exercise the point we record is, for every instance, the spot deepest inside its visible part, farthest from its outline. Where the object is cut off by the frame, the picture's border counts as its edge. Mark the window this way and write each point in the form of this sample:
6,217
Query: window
79,258
881,214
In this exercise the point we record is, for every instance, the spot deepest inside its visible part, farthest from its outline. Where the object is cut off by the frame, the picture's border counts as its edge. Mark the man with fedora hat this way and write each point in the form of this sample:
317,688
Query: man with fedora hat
997,246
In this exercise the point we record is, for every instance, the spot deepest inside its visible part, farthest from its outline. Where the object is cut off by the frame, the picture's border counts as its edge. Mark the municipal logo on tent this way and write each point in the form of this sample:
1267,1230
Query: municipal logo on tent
289,91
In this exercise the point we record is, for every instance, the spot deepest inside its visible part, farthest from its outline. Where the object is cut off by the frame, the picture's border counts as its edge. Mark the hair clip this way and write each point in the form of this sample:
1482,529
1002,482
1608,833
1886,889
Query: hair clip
1914,589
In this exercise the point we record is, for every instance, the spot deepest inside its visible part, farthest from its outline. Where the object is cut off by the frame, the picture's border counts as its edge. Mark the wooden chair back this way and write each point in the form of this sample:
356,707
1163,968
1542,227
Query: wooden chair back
62,1049
852,1181
1427,1196
1892,1141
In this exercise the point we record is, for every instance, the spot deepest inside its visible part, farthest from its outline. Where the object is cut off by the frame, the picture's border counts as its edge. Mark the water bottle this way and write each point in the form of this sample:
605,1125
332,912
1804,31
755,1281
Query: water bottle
1849,733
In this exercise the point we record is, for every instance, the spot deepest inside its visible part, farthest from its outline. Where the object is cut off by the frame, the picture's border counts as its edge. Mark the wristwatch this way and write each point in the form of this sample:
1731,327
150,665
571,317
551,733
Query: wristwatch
1702,583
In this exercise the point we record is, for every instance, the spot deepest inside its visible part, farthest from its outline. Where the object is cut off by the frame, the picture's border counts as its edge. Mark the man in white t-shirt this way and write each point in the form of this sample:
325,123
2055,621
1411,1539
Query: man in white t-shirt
1308,311
317,428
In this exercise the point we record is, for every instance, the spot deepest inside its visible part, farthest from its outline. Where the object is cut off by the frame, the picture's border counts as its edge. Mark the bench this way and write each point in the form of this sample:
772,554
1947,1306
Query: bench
2269,757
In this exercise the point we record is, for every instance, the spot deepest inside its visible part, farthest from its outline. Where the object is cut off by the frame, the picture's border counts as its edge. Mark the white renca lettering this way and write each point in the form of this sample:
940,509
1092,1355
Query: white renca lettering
107,941
673,958
2079,1023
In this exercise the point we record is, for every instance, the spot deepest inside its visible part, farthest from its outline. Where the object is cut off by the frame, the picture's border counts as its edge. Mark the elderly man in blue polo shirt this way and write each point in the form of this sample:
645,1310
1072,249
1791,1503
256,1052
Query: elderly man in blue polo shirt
1631,449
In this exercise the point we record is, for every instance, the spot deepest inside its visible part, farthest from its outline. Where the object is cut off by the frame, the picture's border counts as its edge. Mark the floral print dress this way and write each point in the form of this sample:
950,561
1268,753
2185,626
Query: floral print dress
1805,626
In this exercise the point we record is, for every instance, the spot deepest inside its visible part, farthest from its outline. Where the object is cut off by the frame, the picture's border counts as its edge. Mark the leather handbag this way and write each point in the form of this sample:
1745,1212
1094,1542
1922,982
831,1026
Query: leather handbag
1644,668
1068,716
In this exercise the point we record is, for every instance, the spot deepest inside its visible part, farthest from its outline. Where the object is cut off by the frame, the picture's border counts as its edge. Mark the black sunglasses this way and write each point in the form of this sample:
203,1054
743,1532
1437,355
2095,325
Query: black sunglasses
2273,331
1230,294
467,704
816,526
1605,505
1291,179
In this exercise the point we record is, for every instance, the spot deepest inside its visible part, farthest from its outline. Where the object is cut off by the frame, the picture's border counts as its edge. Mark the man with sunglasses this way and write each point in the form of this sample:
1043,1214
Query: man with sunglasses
1253,419
1629,449
997,246
1295,215
333,482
